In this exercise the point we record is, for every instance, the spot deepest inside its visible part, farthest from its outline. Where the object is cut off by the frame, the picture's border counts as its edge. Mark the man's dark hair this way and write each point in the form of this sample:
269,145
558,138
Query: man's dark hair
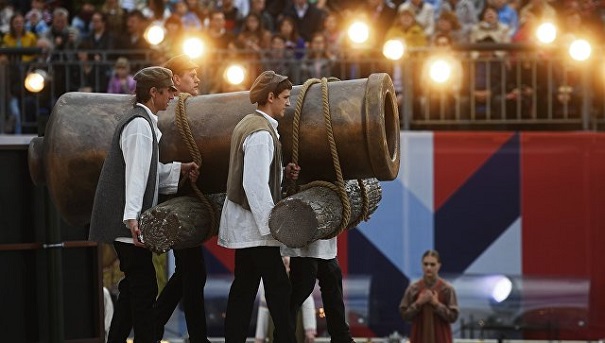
282,86
142,93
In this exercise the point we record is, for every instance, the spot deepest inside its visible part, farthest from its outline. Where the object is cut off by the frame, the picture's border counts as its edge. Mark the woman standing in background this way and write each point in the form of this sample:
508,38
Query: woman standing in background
430,304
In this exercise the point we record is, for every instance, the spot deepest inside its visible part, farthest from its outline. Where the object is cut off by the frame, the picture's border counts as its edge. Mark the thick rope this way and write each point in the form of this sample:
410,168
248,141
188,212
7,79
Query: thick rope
291,186
339,185
185,131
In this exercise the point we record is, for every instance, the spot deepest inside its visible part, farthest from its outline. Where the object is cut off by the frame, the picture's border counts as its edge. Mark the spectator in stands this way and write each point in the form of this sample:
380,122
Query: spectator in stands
34,22
46,46
250,43
156,10
569,87
6,13
63,36
538,9
86,76
334,35
465,12
100,38
437,5
65,39
83,20
516,5
258,7
520,90
506,15
407,29
308,19
133,40
572,27
294,42
17,37
424,12
116,16
448,25
527,86
200,10
490,27
252,37
486,92
218,40
37,106
337,6
279,59
172,44
190,20
217,35
592,18
317,62
275,8
233,15
442,100
430,304
380,15
41,6
122,81
243,6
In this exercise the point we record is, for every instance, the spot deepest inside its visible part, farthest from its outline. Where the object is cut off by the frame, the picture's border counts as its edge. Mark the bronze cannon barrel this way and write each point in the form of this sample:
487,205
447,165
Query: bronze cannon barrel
363,112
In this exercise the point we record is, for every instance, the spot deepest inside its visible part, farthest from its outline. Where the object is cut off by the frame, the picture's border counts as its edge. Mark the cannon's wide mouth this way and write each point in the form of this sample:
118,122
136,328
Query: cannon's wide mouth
384,150
391,119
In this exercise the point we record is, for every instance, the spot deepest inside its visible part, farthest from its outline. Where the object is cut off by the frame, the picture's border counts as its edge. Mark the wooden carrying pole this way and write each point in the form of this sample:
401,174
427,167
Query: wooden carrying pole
316,213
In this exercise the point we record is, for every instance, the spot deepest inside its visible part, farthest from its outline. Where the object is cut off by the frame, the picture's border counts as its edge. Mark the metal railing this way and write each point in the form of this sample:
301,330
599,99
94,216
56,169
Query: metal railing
520,87
514,90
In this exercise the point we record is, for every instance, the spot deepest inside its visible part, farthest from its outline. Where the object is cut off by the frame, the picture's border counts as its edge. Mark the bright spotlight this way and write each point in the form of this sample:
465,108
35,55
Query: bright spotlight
440,70
580,50
359,32
546,33
193,47
35,81
155,33
502,289
393,49
235,74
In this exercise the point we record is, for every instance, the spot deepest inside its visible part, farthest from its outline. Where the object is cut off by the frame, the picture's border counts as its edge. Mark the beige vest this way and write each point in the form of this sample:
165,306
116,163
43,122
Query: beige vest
235,190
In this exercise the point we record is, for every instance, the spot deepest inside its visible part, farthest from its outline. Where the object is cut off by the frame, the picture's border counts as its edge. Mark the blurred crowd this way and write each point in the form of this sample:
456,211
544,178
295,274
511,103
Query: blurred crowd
104,43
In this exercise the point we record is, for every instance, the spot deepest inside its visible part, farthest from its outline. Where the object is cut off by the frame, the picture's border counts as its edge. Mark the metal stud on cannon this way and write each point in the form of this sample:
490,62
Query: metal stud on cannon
363,116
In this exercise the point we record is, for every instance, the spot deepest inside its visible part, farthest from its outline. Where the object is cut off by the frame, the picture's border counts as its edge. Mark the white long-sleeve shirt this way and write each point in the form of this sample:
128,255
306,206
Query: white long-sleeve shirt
136,142
240,228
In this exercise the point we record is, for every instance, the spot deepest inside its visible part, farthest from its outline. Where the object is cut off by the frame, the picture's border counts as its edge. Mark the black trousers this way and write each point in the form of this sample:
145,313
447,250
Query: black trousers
304,271
187,283
138,289
252,264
